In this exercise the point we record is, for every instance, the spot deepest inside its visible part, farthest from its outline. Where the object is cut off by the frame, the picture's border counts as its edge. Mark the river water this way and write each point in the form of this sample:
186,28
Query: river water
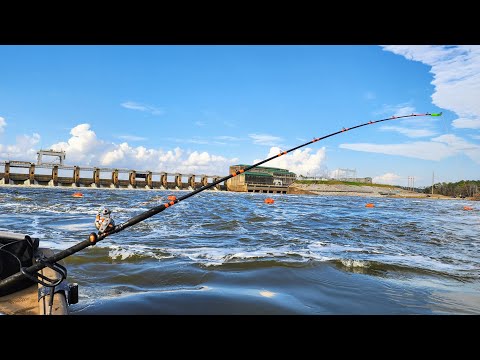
230,253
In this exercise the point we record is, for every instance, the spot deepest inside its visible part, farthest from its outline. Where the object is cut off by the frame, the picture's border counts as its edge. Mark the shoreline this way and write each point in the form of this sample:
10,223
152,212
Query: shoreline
294,189
363,191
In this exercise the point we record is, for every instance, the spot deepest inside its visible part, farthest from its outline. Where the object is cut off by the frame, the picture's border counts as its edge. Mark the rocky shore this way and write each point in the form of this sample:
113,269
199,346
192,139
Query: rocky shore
354,190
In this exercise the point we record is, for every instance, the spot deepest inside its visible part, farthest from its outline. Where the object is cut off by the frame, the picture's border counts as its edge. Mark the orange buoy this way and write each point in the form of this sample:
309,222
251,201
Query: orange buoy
171,197
269,201
77,194
467,208
370,205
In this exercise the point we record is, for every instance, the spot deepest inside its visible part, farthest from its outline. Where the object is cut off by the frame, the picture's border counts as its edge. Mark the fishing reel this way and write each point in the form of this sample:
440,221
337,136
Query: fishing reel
104,221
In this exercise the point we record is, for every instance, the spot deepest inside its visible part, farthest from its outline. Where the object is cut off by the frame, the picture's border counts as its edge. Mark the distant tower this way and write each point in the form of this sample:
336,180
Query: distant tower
345,174
60,154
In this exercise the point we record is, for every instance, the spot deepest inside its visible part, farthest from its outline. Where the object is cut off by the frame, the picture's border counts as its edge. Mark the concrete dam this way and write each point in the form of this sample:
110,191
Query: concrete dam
31,174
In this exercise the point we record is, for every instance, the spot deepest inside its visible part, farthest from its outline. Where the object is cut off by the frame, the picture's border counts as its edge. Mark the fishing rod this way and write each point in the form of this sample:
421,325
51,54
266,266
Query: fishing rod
93,238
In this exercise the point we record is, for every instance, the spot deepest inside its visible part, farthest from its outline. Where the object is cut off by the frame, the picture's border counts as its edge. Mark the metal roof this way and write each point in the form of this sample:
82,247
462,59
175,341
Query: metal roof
254,173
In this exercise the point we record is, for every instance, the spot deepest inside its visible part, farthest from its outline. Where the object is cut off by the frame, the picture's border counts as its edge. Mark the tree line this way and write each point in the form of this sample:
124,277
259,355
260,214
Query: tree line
464,188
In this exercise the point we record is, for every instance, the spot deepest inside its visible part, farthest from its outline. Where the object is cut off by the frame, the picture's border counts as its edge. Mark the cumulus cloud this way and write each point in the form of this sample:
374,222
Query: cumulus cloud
85,148
142,107
204,162
301,162
387,178
436,149
82,147
24,148
3,124
264,139
456,78
127,156
141,158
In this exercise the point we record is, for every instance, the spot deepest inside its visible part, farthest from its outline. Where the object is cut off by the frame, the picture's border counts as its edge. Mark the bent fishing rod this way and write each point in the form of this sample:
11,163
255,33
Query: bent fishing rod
93,238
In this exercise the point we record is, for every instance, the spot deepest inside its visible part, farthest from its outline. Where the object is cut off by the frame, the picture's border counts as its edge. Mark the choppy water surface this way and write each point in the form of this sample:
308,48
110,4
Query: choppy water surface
230,253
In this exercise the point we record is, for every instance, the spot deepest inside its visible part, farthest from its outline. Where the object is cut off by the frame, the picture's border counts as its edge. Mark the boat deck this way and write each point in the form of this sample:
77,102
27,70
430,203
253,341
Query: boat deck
26,302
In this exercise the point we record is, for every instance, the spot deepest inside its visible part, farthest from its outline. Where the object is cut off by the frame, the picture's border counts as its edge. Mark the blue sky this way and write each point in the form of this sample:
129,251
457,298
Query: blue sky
200,109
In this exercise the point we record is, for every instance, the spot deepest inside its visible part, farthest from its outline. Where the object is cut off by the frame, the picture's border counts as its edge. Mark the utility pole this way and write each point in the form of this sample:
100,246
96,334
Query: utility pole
411,183
433,179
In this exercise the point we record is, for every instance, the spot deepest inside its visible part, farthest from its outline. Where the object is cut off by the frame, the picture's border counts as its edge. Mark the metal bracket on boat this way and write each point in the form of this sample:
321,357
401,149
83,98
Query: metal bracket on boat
44,290
70,291
44,280
53,285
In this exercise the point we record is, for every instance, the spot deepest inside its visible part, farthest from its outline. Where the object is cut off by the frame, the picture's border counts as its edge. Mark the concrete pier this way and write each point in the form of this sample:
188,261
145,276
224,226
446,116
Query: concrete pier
27,174
114,183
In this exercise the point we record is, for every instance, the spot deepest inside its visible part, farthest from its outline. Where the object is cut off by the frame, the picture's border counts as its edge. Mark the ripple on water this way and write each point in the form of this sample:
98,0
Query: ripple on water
241,238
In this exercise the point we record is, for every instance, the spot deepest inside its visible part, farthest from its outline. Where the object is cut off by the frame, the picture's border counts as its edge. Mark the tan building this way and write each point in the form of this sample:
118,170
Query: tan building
260,179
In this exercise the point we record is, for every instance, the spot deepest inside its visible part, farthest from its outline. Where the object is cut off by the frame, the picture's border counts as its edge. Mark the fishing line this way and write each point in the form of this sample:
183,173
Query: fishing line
93,238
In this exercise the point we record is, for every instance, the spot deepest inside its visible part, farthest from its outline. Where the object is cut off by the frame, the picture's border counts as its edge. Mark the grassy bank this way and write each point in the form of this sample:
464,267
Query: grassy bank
337,182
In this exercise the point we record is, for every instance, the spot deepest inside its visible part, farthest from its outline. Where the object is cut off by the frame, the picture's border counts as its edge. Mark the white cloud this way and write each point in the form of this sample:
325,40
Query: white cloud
413,133
131,138
419,122
301,162
459,145
456,78
387,178
466,123
416,127
24,148
3,124
82,147
396,110
140,158
228,138
437,149
142,107
193,140
206,163
84,141
420,150
405,110
264,139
